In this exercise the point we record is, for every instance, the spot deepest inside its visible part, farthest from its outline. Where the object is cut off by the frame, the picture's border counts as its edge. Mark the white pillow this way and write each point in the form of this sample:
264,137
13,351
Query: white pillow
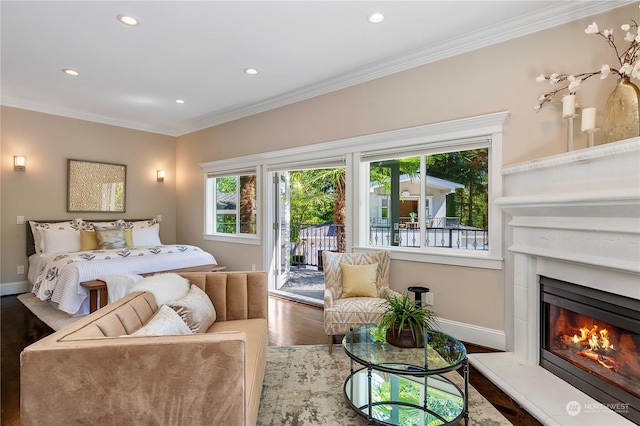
166,322
56,241
36,227
164,287
195,309
146,237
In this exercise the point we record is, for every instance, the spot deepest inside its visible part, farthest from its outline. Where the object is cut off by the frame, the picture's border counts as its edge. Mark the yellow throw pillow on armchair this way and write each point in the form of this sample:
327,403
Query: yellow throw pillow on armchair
359,280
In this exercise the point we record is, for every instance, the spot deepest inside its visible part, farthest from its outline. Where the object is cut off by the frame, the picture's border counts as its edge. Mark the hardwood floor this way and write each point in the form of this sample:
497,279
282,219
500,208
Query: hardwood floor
290,323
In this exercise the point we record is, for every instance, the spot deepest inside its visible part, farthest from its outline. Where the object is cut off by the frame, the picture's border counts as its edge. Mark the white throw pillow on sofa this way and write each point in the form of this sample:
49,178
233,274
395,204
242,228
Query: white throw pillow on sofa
166,322
164,287
195,309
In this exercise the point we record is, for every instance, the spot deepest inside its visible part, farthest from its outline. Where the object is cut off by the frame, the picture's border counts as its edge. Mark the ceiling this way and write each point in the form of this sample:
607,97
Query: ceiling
196,51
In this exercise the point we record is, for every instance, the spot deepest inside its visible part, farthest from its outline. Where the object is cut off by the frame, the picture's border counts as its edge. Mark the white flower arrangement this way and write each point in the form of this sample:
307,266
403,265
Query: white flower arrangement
629,64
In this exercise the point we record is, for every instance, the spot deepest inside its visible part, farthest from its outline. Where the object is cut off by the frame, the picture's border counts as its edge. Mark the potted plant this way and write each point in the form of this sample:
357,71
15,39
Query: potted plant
404,322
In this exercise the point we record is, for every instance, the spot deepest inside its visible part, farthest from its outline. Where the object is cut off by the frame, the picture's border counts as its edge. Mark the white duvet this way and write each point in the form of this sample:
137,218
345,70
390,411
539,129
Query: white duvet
57,277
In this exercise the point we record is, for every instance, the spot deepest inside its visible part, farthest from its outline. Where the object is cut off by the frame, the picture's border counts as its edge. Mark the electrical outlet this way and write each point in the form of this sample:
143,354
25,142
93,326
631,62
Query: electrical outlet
20,269
428,298
253,266
20,220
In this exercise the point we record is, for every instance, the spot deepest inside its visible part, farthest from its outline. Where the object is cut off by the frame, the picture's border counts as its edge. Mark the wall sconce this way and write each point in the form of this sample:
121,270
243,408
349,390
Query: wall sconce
160,175
19,162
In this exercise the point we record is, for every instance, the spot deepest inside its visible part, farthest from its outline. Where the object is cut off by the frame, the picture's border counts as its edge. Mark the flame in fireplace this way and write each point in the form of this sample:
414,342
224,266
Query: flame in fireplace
599,345
597,339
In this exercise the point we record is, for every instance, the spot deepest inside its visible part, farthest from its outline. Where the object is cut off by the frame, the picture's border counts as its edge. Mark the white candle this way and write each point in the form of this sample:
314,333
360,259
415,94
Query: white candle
588,119
568,105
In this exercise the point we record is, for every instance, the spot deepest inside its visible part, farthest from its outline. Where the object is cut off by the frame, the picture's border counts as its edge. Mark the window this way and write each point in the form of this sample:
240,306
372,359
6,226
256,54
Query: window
231,204
452,196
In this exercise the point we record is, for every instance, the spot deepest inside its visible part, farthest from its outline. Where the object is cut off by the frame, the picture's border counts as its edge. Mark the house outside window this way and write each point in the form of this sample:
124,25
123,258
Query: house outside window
434,201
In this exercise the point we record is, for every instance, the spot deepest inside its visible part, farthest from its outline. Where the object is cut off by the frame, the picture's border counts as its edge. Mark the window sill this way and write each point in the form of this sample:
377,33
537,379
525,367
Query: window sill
233,238
444,257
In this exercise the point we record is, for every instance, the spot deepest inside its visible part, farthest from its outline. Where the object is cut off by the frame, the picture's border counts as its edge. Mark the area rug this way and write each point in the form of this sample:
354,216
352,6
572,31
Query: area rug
54,318
303,386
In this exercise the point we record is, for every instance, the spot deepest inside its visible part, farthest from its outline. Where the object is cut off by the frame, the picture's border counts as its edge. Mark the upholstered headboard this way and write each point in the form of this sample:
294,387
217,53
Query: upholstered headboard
31,247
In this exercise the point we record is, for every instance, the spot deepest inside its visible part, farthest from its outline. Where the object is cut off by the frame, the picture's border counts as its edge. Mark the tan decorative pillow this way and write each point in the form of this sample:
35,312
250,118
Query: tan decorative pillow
128,237
166,322
195,309
88,240
359,280
110,238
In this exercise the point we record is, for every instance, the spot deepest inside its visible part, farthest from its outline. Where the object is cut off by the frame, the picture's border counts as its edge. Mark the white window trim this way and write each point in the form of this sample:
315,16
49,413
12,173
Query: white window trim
235,167
430,137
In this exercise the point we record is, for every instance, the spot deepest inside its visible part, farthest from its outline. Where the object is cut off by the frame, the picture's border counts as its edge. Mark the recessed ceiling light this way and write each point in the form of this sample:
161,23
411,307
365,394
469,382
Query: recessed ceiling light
251,71
179,101
375,17
70,72
127,20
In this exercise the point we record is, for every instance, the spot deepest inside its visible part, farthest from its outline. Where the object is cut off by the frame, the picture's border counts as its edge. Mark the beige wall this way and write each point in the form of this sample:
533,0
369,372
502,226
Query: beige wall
40,192
496,78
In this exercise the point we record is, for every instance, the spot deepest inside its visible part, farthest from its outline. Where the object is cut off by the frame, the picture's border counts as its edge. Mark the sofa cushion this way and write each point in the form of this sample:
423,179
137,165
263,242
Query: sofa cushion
195,309
257,341
166,322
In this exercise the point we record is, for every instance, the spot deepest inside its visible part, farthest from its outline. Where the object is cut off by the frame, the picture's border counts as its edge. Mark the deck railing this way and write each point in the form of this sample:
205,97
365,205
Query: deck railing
409,236
314,238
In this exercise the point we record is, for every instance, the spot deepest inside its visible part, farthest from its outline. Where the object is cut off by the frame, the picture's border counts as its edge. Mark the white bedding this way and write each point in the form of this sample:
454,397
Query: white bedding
57,277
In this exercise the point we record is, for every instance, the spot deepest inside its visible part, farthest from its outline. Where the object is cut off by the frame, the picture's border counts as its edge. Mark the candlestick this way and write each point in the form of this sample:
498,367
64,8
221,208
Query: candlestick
588,119
569,119
568,105
590,133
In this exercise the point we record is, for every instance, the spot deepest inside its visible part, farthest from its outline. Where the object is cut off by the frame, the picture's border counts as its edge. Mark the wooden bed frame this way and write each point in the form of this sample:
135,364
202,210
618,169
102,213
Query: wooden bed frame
98,297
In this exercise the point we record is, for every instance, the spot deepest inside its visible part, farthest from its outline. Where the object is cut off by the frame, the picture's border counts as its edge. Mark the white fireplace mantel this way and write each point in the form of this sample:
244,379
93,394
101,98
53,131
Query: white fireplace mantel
573,217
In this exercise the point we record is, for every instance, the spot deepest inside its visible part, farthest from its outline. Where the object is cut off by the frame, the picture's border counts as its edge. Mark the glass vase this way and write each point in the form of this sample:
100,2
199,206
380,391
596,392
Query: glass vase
621,113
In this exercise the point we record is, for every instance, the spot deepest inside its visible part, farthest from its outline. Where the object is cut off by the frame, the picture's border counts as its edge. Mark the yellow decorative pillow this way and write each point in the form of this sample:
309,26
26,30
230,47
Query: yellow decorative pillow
88,240
128,237
359,280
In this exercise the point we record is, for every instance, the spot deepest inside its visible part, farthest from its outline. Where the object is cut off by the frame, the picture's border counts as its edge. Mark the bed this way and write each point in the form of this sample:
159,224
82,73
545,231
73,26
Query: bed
66,257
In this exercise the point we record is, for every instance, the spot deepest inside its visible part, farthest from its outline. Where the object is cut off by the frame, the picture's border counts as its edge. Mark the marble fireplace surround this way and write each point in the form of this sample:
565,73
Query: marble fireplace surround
574,217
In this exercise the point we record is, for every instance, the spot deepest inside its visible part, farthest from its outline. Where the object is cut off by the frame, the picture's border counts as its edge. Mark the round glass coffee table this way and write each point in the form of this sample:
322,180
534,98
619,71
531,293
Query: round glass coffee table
399,386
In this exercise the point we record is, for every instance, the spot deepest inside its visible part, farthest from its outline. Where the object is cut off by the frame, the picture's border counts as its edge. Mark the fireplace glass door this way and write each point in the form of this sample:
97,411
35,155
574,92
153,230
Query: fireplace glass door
592,340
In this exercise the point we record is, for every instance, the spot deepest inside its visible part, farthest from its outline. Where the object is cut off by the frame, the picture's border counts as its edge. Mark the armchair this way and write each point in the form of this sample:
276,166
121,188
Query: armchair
341,314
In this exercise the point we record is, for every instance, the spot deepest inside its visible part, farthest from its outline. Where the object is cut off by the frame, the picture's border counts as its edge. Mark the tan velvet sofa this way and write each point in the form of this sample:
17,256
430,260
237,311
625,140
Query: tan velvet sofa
87,374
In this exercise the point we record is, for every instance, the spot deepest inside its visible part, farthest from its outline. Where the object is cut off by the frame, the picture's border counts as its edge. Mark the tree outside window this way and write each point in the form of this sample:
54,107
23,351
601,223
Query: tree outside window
235,204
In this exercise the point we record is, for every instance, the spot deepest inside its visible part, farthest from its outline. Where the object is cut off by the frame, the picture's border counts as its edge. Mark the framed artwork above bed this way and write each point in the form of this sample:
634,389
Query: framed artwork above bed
96,187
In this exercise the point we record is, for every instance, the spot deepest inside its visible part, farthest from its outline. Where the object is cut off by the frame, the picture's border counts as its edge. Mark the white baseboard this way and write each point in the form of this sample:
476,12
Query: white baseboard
470,333
14,288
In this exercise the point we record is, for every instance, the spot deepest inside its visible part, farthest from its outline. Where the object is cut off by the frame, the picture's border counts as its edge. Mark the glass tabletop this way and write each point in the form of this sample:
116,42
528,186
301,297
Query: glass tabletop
367,345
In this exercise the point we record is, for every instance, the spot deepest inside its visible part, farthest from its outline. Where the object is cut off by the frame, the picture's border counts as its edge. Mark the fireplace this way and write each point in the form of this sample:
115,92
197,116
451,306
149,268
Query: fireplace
575,218
591,339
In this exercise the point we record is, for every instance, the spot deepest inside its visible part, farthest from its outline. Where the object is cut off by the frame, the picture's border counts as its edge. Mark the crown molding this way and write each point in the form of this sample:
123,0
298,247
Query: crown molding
81,115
